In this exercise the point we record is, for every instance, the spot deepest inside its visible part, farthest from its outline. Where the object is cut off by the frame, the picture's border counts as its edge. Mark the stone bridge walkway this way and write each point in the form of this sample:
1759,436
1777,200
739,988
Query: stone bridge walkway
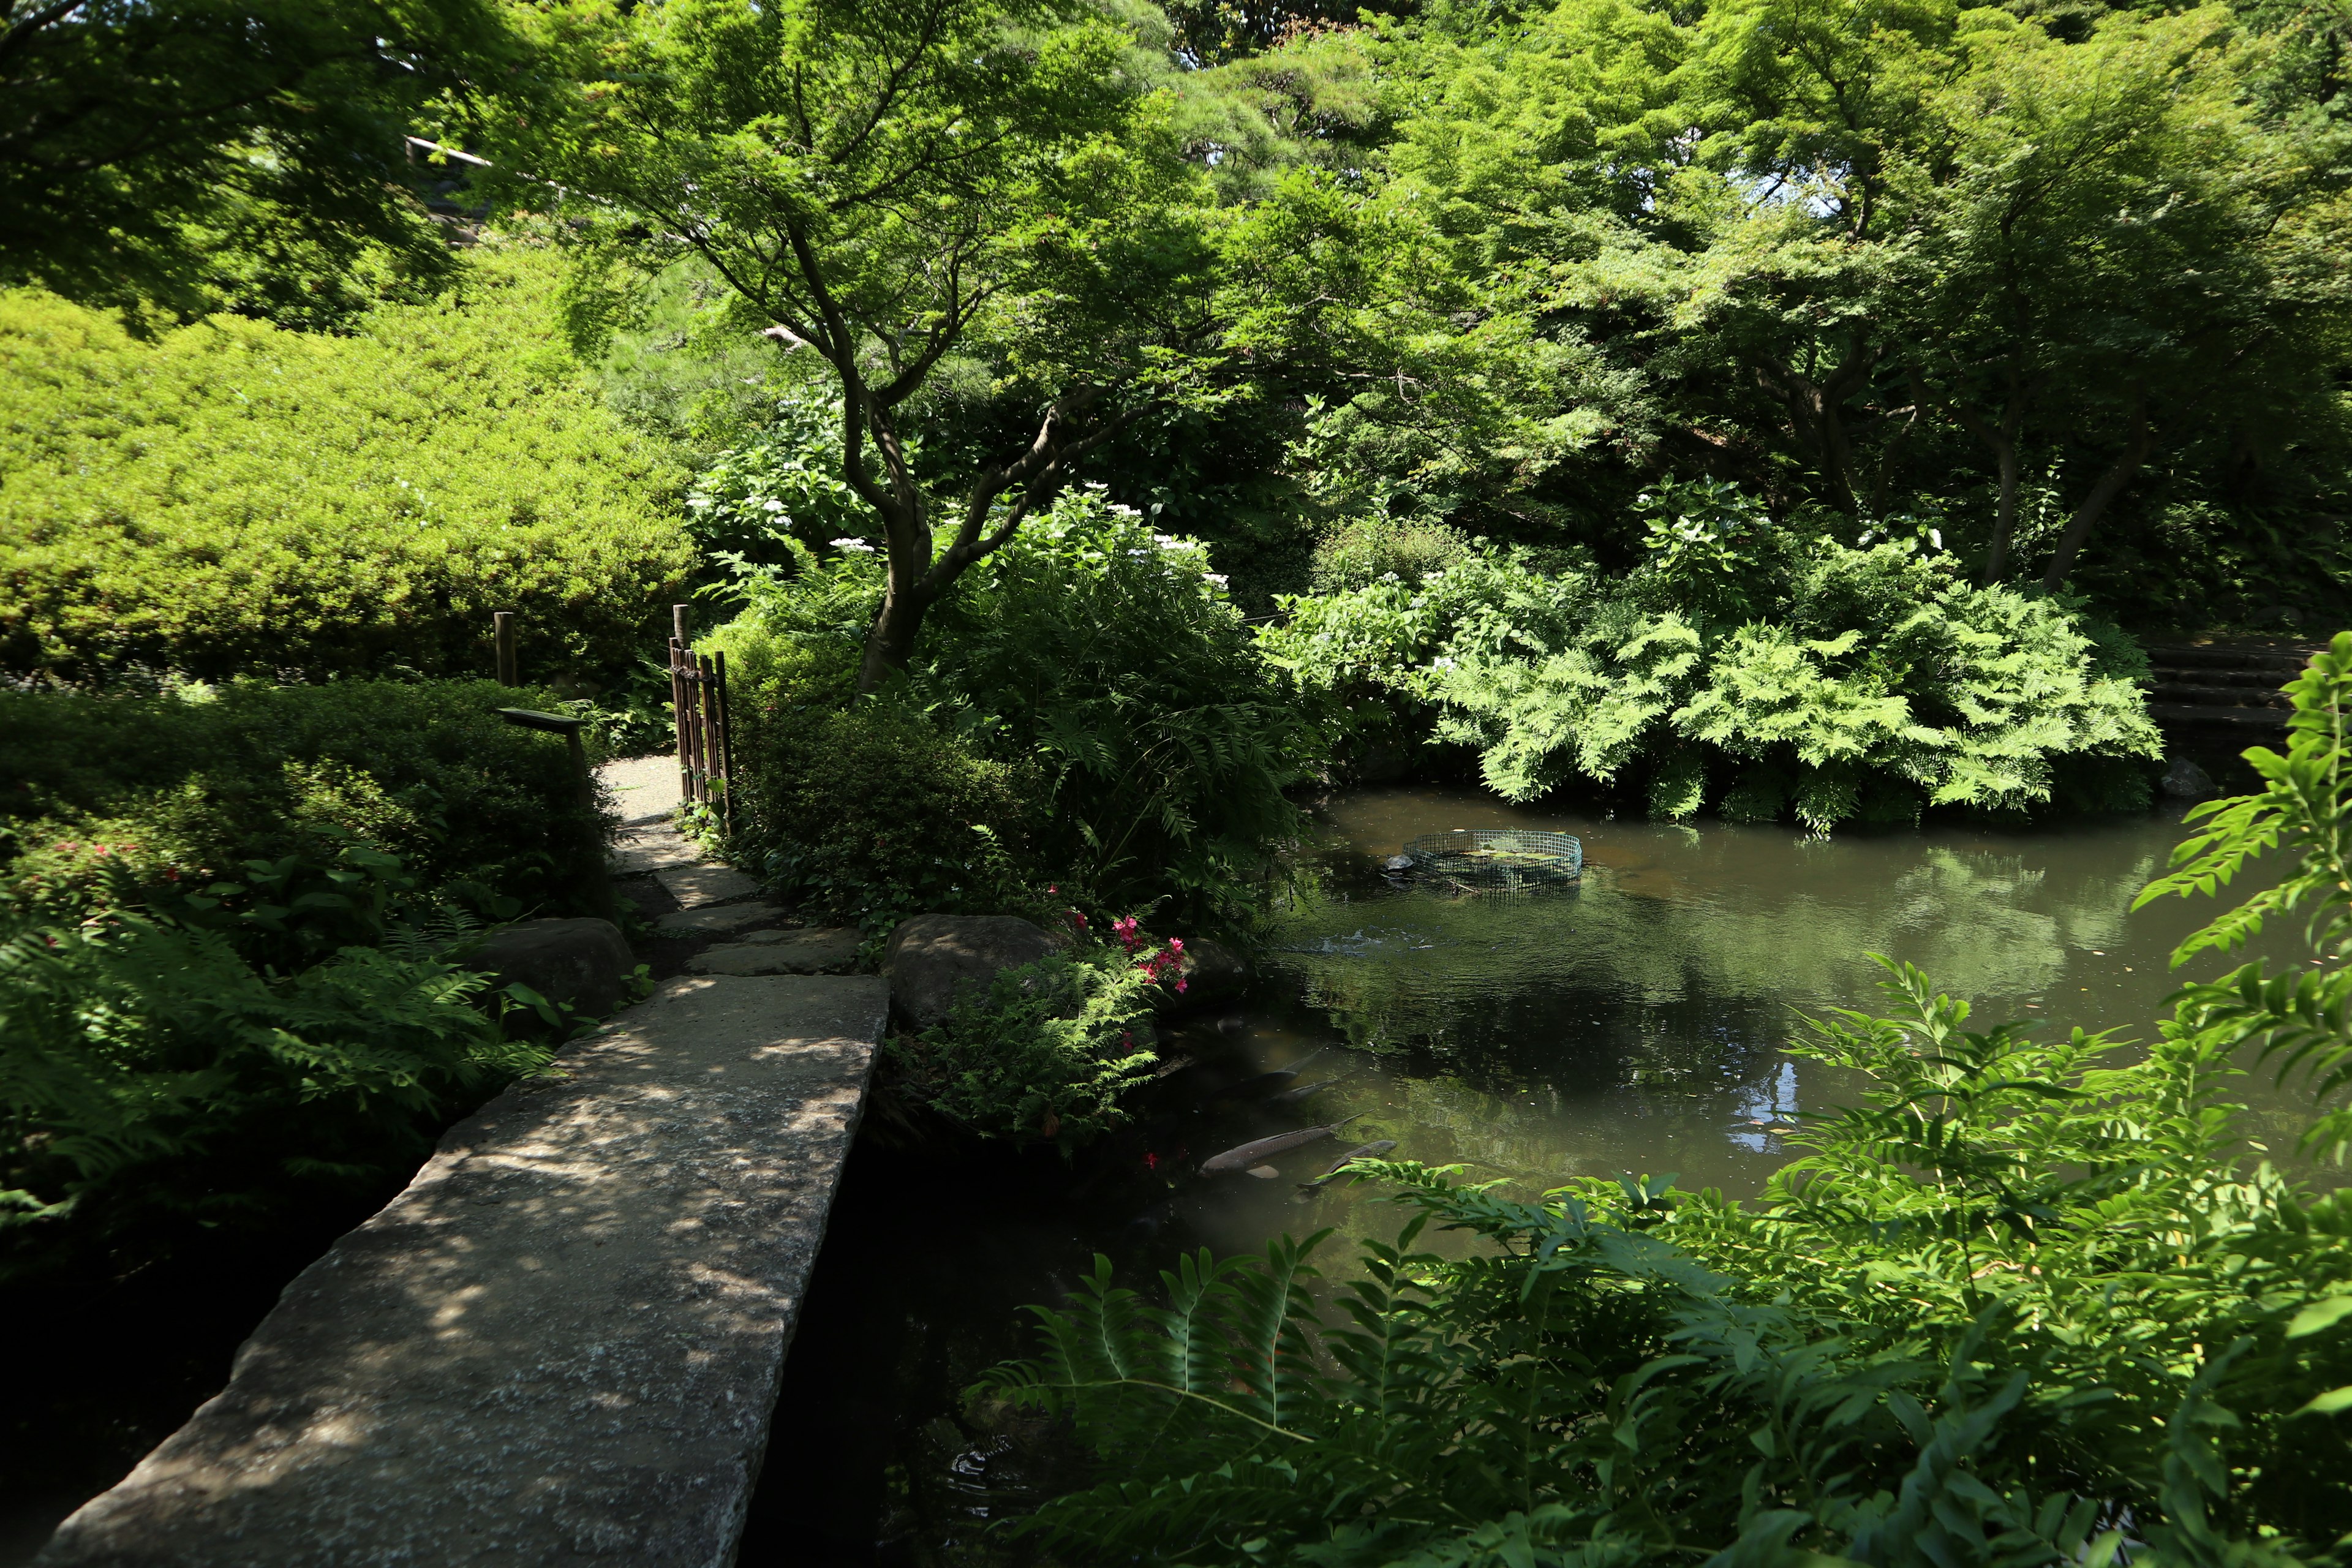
562,1343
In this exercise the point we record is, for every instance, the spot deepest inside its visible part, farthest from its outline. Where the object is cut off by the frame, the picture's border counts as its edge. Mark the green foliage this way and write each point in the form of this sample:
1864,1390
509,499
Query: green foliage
1112,654
1045,1052
235,498
185,151
1746,667
2305,809
1366,550
875,813
2068,282
1102,666
177,792
785,483
986,182
2022,1304
152,1079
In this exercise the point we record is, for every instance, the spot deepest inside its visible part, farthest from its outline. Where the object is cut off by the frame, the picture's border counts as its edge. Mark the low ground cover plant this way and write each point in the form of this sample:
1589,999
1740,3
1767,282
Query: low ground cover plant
2030,1300
158,1079
237,929
1047,1052
1747,667
229,497
177,790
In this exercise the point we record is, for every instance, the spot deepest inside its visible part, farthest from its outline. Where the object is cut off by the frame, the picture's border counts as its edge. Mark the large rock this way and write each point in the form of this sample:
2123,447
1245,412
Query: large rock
933,957
2184,780
585,965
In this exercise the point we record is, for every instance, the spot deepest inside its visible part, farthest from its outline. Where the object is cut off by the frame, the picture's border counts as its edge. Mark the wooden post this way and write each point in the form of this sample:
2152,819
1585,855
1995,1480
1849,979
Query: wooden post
726,745
682,697
502,632
710,692
679,720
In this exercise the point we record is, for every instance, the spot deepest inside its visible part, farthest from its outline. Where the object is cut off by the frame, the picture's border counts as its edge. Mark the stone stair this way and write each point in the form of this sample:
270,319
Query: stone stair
701,902
2230,685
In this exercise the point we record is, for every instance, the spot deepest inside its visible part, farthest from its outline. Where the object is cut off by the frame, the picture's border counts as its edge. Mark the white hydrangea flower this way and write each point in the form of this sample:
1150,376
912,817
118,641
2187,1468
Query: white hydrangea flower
1216,577
858,545
1118,511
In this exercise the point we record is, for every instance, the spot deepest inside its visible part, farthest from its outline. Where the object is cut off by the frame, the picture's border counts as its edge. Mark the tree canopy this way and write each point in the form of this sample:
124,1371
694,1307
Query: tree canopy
889,188
156,150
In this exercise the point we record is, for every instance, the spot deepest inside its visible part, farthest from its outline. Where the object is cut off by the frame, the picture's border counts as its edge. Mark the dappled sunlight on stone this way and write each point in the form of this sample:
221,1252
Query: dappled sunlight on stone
561,1341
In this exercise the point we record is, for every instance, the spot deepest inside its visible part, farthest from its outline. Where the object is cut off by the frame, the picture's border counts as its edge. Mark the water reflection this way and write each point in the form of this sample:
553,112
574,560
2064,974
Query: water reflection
1637,1024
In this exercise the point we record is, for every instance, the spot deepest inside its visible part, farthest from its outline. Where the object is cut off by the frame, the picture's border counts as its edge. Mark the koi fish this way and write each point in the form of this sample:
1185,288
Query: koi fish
1362,1152
1264,1148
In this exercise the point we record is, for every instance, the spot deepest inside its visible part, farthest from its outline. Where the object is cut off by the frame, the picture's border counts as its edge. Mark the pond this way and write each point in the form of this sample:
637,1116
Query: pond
1632,1023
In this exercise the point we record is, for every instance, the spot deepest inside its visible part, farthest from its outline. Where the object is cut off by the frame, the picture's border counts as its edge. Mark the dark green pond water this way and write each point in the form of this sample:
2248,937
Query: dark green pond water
1635,1023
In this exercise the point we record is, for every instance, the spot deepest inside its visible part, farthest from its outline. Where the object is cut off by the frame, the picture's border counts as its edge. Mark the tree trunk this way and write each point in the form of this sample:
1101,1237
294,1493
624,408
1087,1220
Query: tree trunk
890,640
2111,484
2004,517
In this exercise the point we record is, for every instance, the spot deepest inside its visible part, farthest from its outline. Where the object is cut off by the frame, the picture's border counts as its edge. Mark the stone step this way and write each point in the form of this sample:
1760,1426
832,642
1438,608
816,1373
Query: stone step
2257,680
2284,658
780,952
720,919
703,883
2189,715
2221,696
563,1343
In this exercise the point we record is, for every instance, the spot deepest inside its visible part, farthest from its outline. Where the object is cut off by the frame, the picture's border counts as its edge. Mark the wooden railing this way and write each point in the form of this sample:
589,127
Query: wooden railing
697,694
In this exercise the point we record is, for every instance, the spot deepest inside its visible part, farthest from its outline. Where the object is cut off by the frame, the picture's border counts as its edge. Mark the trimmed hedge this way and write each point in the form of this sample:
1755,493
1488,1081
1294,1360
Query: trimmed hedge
230,498
179,790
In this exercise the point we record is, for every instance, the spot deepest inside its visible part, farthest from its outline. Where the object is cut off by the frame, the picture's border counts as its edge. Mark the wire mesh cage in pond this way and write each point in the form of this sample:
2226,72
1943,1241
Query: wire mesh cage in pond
1503,859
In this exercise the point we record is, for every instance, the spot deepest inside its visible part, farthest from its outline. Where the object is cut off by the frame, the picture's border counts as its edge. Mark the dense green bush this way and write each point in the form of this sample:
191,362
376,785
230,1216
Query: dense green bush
875,813
1744,666
2025,1304
231,498
1047,1052
1102,668
179,789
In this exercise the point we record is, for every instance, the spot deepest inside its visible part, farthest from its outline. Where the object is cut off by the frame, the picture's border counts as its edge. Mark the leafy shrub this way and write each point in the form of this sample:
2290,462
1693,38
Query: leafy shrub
1096,661
1047,1052
1743,667
874,812
785,484
183,789
2023,1304
153,1080
1366,550
231,498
